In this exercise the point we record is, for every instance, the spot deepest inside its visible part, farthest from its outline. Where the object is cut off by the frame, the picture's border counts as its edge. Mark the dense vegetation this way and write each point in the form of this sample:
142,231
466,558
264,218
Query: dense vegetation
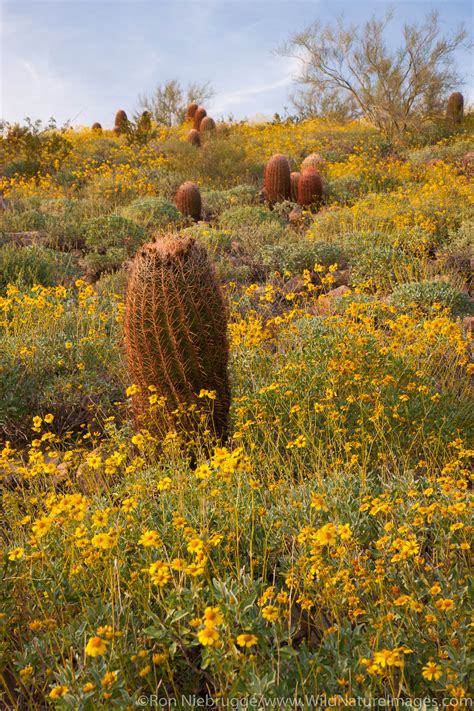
324,547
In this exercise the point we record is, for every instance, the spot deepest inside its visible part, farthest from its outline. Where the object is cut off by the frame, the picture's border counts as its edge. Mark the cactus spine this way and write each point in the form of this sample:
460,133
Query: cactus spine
455,108
194,137
175,329
188,200
310,188
294,177
277,179
198,117
207,125
190,111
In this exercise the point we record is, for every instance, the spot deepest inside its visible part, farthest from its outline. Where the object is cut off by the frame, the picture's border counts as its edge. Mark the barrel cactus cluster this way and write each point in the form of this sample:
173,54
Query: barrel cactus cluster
203,125
305,187
175,331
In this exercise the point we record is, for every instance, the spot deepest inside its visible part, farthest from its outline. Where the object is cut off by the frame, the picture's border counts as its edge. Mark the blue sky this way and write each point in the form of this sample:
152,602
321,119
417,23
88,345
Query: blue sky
81,60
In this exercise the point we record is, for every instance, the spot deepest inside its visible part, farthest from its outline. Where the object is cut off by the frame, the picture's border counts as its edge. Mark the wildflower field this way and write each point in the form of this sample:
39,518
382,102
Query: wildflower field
322,546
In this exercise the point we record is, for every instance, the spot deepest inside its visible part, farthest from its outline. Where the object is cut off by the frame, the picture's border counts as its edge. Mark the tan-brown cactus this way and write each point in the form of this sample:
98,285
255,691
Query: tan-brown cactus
207,125
314,160
175,329
190,111
121,122
294,177
310,188
455,108
188,200
194,137
198,117
277,181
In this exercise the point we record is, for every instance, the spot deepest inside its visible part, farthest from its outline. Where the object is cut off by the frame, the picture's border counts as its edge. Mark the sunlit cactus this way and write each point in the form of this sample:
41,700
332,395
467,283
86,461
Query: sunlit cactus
121,122
310,188
188,200
314,161
190,111
194,137
207,125
175,329
199,114
294,176
455,108
97,127
277,180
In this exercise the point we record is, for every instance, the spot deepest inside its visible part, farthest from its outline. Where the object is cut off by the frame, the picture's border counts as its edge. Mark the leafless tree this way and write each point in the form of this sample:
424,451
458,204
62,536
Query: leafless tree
168,103
393,88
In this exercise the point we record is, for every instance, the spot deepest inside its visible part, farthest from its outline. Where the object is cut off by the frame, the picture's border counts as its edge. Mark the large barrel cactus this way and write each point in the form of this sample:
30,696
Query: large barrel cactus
277,180
188,200
194,137
310,188
175,329
200,113
455,108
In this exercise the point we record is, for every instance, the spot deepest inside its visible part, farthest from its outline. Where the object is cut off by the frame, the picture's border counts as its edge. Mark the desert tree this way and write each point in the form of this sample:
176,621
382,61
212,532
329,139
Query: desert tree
167,105
394,88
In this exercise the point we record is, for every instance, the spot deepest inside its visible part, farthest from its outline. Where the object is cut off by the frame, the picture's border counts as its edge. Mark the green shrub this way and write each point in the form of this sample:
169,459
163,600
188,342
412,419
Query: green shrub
236,218
13,220
216,201
110,240
378,267
429,295
297,256
152,212
26,266
214,240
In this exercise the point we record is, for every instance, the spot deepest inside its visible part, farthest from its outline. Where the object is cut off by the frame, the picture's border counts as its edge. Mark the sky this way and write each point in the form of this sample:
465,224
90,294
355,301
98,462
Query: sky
82,60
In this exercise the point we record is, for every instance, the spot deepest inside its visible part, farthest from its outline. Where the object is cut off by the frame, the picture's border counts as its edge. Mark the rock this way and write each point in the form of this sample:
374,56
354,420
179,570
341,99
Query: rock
293,286
325,304
339,291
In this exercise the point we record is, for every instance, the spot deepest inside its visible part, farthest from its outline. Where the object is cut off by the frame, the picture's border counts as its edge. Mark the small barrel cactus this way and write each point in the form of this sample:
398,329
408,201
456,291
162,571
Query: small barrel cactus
198,117
455,108
96,127
121,121
175,330
207,125
277,180
188,200
144,122
314,161
310,188
294,177
194,137
190,111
